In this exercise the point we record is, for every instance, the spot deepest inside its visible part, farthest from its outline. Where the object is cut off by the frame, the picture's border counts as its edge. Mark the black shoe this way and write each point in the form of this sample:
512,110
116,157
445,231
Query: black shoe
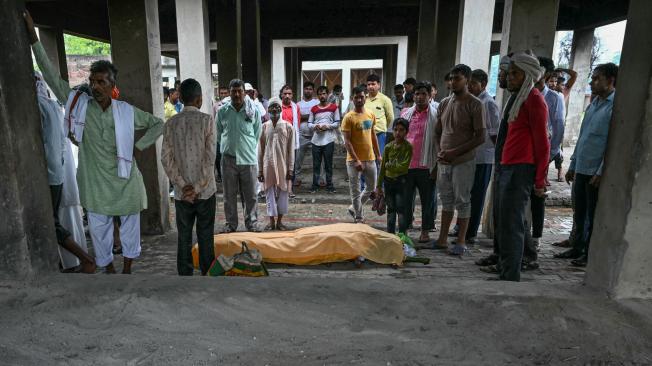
527,265
569,254
490,260
580,262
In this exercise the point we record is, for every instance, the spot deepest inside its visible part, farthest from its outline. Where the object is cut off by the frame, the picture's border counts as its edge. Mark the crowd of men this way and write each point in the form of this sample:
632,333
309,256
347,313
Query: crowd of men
448,149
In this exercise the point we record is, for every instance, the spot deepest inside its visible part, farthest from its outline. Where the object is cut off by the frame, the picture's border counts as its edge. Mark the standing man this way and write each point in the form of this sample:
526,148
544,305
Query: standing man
381,106
423,163
522,151
276,164
238,131
222,93
459,130
188,155
290,112
324,120
168,107
305,133
174,97
54,145
565,87
587,161
433,95
110,183
409,85
362,152
398,101
485,154
556,114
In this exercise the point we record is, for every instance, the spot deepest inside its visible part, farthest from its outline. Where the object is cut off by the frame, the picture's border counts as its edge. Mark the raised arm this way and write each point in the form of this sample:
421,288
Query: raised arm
59,86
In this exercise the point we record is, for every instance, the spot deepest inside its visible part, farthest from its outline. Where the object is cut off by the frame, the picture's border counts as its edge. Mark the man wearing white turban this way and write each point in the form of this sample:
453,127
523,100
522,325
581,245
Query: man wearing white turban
522,151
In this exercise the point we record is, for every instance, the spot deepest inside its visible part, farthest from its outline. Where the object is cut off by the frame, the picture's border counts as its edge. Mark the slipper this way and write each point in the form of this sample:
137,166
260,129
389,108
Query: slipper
268,227
281,227
457,250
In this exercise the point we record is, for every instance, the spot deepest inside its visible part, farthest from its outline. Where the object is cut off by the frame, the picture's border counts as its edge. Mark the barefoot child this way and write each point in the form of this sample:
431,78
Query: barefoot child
276,164
393,172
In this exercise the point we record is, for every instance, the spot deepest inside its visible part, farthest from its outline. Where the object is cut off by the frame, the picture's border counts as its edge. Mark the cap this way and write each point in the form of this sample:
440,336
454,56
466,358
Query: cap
248,87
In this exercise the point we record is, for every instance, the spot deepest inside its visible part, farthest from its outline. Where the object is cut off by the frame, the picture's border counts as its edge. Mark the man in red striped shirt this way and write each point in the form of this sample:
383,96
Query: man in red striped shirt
522,150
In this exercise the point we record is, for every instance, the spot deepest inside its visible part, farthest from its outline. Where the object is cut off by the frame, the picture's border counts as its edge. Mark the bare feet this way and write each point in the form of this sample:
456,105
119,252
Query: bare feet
126,269
88,267
109,269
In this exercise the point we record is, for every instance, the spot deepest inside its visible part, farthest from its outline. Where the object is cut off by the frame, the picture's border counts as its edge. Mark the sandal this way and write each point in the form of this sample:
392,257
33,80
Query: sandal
457,250
281,227
268,227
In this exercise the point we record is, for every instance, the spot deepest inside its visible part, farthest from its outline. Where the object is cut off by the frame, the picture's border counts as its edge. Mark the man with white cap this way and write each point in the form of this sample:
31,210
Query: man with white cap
522,151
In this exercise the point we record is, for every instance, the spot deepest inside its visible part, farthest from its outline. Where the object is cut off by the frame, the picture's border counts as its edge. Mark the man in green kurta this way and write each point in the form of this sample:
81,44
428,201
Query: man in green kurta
110,184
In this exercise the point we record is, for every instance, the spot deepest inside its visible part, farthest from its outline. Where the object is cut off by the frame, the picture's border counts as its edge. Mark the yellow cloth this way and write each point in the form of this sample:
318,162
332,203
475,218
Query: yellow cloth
361,126
314,245
381,106
169,109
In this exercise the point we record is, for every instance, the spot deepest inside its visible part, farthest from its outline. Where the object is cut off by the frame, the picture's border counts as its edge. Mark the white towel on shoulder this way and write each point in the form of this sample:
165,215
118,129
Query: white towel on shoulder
123,116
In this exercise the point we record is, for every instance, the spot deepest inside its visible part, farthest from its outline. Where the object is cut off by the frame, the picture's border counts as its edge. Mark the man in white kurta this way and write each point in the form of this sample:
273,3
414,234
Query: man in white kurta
276,164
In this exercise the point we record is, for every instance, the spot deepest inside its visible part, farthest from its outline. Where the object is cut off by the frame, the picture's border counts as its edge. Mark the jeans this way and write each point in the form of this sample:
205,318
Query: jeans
478,193
538,209
326,153
398,203
358,199
419,179
514,185
586,199
186,213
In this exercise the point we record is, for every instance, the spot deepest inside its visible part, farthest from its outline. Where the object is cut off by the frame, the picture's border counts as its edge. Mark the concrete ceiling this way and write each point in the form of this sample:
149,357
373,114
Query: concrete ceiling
89,18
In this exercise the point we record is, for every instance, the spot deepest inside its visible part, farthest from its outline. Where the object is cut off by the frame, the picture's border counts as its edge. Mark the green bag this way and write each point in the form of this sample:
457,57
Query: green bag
248,263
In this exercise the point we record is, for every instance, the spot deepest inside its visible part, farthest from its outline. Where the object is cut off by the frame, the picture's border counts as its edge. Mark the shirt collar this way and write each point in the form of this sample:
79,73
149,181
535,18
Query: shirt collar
189,108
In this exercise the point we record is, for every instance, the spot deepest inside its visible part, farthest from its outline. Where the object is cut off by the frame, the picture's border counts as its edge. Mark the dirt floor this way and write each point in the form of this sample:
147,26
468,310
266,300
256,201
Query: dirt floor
166,320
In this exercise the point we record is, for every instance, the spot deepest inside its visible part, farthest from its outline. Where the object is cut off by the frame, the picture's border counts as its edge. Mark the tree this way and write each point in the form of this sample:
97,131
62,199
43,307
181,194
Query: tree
566,47
85,47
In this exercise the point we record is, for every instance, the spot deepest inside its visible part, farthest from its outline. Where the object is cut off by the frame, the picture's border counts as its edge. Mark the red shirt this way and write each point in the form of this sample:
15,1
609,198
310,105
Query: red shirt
527,137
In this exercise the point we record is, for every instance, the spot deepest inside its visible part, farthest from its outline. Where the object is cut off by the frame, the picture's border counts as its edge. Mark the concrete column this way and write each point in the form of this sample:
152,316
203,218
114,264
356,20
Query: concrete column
251,57
136,53
27,240
528,25
266,67
228,32
580,62
389,70
474,33
194,50
620,258
426,42
52,40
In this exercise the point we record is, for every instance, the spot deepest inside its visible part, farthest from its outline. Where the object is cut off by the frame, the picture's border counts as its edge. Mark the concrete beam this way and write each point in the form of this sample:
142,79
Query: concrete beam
52,41
580,62
136,53
193,40
228,34
620,259
27,238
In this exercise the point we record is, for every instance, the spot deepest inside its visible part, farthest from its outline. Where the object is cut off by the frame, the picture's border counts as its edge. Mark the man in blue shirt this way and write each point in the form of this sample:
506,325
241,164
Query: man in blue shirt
588,159
238,130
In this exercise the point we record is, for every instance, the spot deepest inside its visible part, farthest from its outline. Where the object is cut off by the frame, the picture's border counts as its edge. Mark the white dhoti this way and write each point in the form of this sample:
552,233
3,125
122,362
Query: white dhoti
70,210
277,206
101,229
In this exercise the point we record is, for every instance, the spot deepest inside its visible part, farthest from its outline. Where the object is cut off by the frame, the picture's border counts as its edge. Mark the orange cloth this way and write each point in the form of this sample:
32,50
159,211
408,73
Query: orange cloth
314,245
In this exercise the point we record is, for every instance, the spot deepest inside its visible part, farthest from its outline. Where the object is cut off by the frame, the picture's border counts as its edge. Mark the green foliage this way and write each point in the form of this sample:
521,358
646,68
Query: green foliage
85,47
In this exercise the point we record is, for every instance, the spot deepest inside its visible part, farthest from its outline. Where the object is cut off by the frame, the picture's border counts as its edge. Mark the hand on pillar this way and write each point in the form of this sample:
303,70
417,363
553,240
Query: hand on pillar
29,24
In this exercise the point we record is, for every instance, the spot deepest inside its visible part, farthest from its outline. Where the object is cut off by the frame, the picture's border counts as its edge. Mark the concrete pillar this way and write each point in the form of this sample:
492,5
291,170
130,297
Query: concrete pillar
251,57
52,40
389,70
228,32
194,51
266,67
580,62
474,33
27,240
426,42
620,258
528,25
136,53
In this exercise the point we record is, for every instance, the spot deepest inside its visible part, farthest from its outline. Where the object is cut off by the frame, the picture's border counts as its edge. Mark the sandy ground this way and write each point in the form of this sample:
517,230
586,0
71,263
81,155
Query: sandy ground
166,320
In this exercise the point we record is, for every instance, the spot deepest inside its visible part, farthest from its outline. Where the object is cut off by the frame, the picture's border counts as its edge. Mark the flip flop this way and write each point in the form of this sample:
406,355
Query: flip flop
457,250
268,227
282,227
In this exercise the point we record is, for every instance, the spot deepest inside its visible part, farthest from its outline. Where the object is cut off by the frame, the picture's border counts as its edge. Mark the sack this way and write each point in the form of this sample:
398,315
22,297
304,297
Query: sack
249,263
